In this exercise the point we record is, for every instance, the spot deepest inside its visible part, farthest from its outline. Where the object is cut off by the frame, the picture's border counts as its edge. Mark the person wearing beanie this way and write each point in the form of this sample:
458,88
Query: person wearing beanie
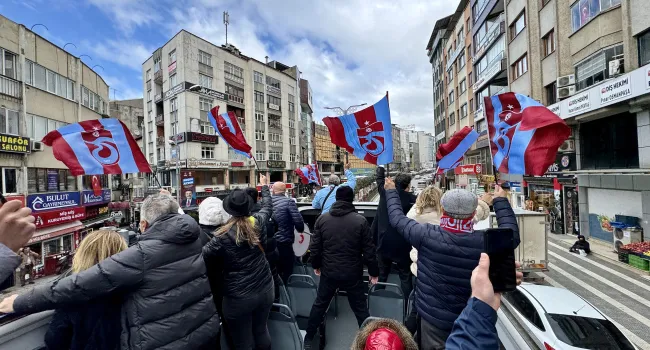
211,217
384,334
447,255
340,245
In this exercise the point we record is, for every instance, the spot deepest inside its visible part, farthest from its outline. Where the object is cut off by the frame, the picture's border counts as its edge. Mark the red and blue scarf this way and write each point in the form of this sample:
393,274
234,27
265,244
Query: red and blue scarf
457,225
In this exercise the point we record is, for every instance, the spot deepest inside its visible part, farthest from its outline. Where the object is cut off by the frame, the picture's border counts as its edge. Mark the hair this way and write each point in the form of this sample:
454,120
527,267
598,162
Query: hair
403,180
334,180
245,227
156,206
96,247
429,198
253,193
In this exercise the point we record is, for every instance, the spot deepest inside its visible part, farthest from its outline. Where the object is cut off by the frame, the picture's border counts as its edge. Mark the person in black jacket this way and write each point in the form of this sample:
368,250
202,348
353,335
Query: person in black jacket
235,258
288,218
95,324
340,245
391,246
580,244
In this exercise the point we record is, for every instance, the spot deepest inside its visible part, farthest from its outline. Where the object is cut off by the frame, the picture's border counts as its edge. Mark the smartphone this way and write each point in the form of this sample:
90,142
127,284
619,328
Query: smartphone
499,246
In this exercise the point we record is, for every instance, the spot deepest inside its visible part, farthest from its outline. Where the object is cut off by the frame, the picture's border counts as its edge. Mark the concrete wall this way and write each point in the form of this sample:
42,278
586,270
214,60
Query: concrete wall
602,31
549,69
522,84
637,14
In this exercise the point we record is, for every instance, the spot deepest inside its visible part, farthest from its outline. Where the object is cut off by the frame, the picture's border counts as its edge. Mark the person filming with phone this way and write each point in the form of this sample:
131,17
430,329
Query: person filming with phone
447,255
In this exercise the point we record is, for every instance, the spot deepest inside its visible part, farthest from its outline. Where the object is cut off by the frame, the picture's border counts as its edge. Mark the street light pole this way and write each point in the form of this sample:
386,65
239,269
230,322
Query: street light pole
346,111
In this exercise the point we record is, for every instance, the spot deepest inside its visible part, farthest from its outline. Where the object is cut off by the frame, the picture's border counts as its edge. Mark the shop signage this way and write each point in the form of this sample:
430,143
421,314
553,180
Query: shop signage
208,92
615,90
273,106
174,91
179,138
555,108
49,201
579,103
57,217
563,162
277,164
198,137
15,144
52,179
205,163
20,198
488,179
493,69
273,90
93,212
89,197
236,164
468,169
478,114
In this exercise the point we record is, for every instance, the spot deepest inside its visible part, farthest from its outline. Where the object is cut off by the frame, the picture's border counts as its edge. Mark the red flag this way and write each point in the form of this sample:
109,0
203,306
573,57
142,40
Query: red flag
97,187
227,126
450,154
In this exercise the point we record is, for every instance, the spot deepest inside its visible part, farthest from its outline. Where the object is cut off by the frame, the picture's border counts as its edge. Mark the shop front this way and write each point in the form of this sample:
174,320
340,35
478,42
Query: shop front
276,170
202,178
240,175
468,176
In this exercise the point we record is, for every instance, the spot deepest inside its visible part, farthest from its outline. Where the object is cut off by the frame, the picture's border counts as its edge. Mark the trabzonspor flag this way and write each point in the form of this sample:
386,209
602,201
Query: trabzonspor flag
366,133
94,147
309,174
227,126
450,154
524,135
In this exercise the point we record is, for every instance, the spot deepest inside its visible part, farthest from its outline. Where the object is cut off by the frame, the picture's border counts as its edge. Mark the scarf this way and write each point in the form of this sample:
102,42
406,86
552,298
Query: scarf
456,225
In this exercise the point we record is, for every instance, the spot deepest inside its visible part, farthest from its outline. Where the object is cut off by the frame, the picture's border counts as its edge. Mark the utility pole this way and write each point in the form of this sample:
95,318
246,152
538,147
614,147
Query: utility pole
226,21
346,111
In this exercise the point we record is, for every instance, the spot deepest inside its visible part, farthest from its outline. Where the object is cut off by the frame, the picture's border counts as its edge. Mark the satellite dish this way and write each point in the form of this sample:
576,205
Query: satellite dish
301,242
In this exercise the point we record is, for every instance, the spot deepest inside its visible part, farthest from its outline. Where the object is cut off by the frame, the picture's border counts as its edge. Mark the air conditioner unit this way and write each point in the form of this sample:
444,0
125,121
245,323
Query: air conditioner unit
566,80
615,67
37,146
626,236
566,91
568,146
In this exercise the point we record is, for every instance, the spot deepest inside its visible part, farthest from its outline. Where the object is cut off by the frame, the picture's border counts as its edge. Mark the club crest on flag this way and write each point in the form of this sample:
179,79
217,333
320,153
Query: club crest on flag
102,146
371,138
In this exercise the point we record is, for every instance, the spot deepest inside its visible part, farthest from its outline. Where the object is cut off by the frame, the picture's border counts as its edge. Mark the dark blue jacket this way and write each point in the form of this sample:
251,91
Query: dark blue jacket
475,328
445,261
287,217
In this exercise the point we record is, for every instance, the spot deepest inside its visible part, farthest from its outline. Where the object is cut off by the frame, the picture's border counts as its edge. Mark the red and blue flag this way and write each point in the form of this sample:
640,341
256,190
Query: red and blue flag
524,135
309,174
228,128
450,154
94,147
366,133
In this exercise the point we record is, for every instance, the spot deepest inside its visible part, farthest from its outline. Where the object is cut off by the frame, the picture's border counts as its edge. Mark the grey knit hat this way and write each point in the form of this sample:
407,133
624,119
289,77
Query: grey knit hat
459,204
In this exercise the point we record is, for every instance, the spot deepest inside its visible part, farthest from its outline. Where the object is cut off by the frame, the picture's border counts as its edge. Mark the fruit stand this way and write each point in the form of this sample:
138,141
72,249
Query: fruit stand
636,255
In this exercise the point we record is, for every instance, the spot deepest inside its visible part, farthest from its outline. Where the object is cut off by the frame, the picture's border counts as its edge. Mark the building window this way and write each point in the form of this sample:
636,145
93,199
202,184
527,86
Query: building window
172,81
148,76
275,155
461,60
205,81
9,121
551,93
87,181
9,180
518,25
274,100
584,10
52,180
520,67
8,64
258,77
91,100
207,128
38,127
595,68
463,86
463,111
260,135
205,58
260,155
644,48
207,152
172,56
460,36
451,97
205,104
549,44
273,82
292,123
452,119
157,64
259,100
292,140
274,121
233,72
275,137
44,79
259,116
478,8
235,94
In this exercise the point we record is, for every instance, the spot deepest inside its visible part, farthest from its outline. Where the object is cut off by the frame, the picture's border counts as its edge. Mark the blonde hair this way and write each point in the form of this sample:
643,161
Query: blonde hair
429,198
246,230
96,247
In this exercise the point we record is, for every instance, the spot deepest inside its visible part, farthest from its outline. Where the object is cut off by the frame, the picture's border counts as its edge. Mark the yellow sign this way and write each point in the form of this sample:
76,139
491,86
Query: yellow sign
15,144
487,178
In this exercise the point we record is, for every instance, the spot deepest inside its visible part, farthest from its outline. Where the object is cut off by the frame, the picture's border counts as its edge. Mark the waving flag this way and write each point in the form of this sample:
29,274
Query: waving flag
228,128
309,174
366,134
450,154
524,135
94,147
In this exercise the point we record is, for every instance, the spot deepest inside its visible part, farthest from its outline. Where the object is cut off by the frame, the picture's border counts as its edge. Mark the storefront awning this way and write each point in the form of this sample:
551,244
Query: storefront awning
55,231
90,223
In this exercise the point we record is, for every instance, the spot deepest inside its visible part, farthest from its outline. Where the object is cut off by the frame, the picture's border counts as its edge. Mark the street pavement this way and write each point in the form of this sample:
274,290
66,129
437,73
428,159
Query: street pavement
619,291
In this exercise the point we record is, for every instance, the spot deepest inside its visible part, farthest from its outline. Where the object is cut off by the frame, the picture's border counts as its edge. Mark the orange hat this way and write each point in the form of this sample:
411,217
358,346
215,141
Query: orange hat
384,339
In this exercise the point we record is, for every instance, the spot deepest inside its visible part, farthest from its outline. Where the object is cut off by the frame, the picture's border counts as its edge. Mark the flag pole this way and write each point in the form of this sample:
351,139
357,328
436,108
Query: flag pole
257,168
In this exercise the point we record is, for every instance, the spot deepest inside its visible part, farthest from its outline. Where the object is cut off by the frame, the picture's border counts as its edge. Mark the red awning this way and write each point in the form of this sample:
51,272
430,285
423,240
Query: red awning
55,231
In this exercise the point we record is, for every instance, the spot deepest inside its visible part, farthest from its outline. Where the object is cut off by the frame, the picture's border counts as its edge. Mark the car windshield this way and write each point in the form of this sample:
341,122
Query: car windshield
588,333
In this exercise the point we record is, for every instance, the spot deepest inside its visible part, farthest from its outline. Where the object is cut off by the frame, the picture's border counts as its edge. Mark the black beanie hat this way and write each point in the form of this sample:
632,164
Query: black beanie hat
345,193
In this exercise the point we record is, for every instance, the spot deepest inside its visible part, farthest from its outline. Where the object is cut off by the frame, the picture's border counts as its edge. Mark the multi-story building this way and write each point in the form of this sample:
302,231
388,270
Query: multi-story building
405,149
42,88
398,153
198,76
306,118
331,158
435,52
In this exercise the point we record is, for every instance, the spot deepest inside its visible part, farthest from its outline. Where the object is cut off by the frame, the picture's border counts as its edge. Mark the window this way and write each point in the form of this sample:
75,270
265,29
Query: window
548,42
525,307
205,81
460,36
588,333
644,48
467,25
481,126
274,100
449,51
9,121
463,111
470,104
38,127
258,77
233,72
595,68
148,77
205,58
235,94
463,86
461,59
292,123
172,80
8,64
52,180
551,93
206,128
260,135
172,56
451,97
520,67
610,143
292,157
273,82
39,77
207,152
260,155
92,100
518,25
157,64
584,10
149,106
292,140
452,119
275,155
478,8
259,116
9,180
275,137
205,104
274,121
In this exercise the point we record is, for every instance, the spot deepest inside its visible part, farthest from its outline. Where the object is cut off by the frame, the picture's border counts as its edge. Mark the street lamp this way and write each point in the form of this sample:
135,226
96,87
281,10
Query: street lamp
345,112
175,145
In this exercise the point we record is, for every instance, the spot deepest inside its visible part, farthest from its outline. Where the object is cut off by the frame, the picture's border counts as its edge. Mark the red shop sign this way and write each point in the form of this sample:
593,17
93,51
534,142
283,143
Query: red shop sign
20,198
57,217
237,164
468,169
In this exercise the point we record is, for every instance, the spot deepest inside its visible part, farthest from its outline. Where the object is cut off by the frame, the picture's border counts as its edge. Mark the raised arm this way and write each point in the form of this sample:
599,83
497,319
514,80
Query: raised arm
266,211
380,174
352,180
409,228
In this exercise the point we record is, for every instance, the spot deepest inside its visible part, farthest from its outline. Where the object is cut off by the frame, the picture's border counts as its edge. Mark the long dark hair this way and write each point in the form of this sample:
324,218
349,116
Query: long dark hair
246,230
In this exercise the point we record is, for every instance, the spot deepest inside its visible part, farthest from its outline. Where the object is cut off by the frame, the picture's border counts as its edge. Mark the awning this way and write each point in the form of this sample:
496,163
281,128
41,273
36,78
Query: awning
95,222
55,231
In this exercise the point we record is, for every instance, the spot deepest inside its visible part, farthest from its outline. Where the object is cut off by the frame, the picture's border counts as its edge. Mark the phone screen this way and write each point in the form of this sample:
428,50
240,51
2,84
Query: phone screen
499,245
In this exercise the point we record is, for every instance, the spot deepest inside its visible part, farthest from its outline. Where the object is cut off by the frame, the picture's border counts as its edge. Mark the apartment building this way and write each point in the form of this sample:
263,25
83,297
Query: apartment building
306,118
42,88
188,76
398,153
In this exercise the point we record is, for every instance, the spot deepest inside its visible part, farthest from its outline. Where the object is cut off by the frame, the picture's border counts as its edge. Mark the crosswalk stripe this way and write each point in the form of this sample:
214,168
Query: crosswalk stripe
601,279
612,271
633,337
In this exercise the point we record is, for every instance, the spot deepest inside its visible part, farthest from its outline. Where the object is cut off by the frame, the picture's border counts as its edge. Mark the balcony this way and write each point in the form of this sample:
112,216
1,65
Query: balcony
158,98
451,59
275,144
160,140
496,29
158,76
236,99
497,65
160,120
10,87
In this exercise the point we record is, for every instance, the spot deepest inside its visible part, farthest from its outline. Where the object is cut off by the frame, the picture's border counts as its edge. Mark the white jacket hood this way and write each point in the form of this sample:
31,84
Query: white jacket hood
211,212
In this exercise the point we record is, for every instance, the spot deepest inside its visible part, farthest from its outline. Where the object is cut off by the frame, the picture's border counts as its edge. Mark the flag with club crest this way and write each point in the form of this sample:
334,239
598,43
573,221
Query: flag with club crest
450,154
309,174
227,126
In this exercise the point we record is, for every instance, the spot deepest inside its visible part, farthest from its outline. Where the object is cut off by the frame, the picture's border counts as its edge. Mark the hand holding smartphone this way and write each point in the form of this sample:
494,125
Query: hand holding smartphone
499,245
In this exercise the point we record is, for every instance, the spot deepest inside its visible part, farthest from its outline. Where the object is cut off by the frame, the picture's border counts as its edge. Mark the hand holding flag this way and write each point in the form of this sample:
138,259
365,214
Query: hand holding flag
227,126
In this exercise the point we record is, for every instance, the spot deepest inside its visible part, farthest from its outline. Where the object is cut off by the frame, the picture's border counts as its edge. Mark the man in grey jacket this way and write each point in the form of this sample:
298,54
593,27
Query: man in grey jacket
16,228
167,298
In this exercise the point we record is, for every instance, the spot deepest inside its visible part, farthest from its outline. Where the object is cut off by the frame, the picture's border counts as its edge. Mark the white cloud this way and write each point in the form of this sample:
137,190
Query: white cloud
129,14
127,53
121,90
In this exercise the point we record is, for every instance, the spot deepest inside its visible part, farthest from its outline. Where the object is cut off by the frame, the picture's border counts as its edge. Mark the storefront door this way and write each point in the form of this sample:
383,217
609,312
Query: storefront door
572,223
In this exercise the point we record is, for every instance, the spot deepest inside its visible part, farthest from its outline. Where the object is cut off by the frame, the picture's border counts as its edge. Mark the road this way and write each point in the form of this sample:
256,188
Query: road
620,292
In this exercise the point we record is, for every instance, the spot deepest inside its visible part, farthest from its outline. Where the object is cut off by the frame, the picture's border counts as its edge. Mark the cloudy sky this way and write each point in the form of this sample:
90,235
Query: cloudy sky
351,51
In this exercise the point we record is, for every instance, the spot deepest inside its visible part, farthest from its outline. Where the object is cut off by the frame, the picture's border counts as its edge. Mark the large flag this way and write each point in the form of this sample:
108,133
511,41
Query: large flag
450,154
309,174
366,133
228,128
94,147
524,135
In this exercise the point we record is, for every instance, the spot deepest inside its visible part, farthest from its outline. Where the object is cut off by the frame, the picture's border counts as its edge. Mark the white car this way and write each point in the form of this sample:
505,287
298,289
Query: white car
558,319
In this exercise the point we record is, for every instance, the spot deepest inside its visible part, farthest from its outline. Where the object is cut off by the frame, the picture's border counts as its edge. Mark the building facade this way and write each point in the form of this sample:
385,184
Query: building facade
306,119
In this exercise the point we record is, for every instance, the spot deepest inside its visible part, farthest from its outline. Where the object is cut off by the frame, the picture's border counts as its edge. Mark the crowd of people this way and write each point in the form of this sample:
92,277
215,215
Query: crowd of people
183,284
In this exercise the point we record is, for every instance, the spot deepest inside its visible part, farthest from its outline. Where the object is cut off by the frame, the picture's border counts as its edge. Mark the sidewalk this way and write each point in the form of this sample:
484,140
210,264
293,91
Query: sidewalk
17,289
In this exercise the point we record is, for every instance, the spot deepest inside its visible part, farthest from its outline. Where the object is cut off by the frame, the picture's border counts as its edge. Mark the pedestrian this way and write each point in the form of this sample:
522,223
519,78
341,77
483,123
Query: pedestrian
325,197
287,218
29,259
94,324
391,246
236,259
447,254
16,228
270,248
580,244
340,245
384,334
167,298
211,217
